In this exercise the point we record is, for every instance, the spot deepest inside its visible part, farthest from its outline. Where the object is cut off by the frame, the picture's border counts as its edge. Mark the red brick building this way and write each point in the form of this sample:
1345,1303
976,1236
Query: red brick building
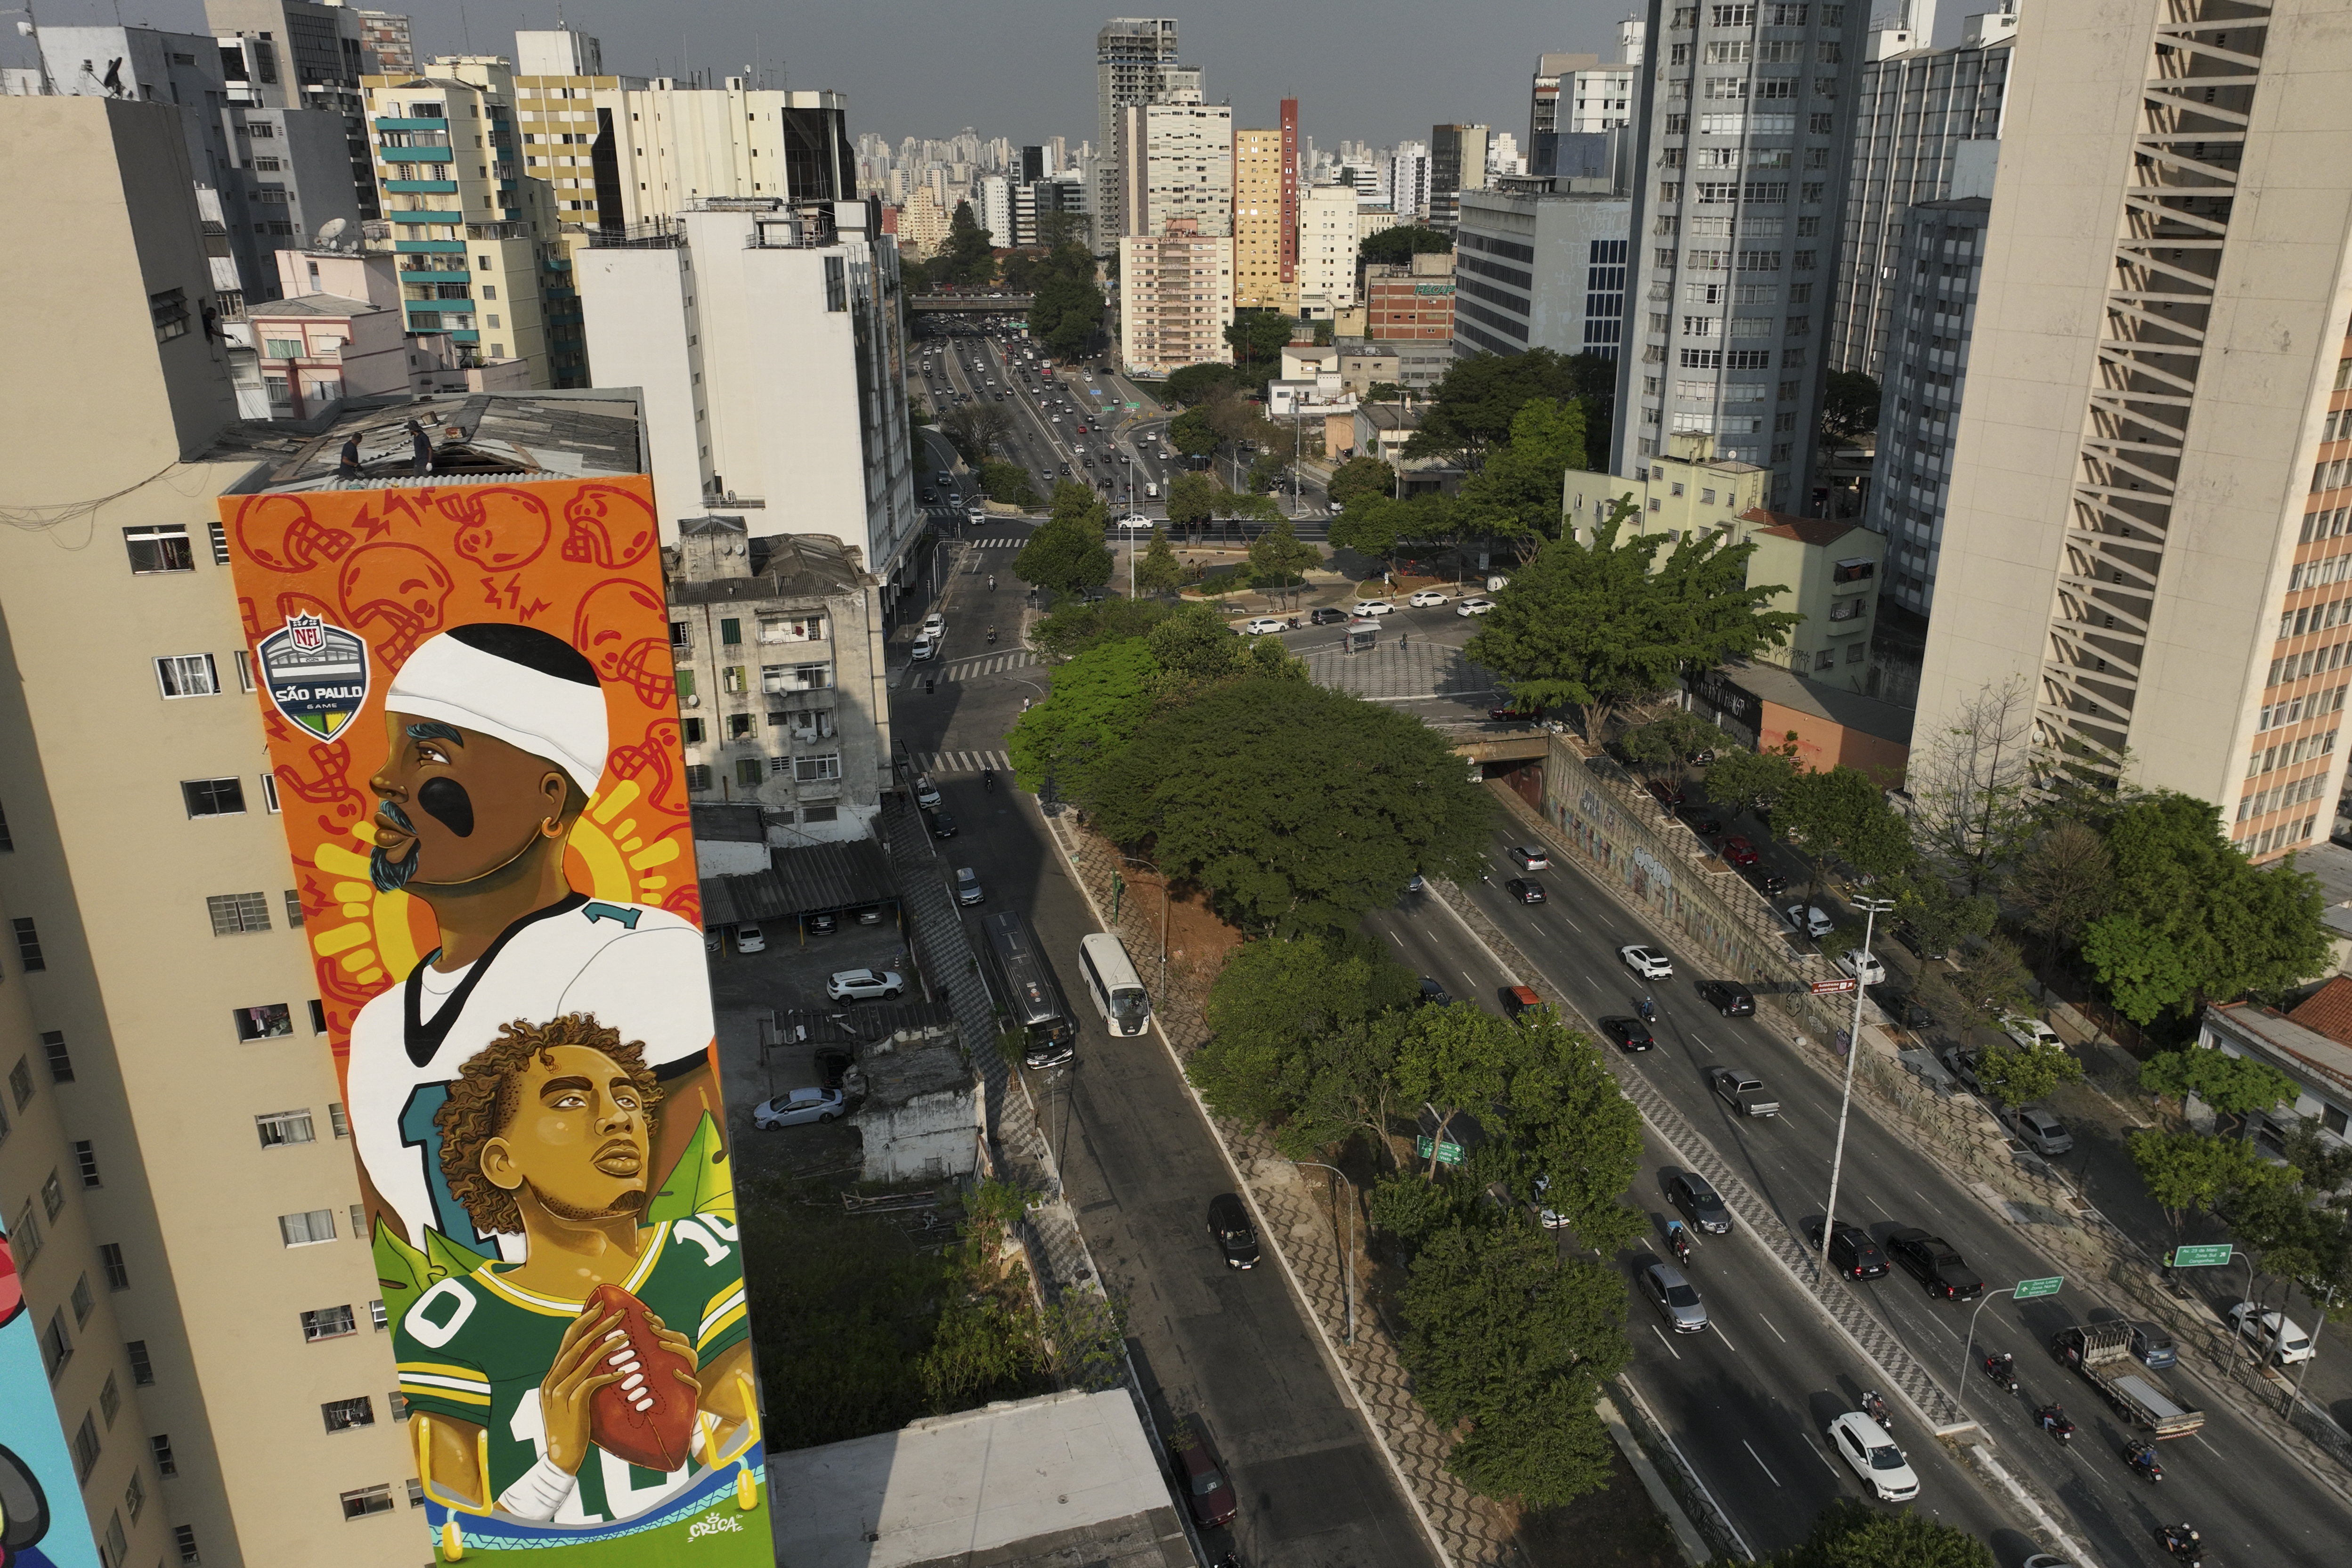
1414,301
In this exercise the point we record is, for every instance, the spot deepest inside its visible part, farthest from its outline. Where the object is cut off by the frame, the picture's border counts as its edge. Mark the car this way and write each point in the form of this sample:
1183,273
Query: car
946,479
1373,607
1667,795
1745,1094
1326,615
1519,999
1962,1064
2043,1133
1065,470
2154,1348
1433,993
924,648
1201,1478
1514,715
2281,1336
1647,962
751,939
1427,599
1770,883
712,942
1738,852
822,924
1901,1009
1630,1033
934,625
1526,889
1921,948
1700,1203
854,985
1702,821
801,1107
1546,1216
1262,626
1473,607
1135,520
1527,859
1867,967
1851,1251
1935,1263
1730,998
930,497
1873,1455
1809,919
2030,1034
1165,454
1675,1297
925,792
943,825
1229,1222
967,890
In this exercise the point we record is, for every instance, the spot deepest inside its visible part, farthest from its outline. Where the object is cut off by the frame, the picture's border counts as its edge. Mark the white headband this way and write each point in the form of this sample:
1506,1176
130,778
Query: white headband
544,714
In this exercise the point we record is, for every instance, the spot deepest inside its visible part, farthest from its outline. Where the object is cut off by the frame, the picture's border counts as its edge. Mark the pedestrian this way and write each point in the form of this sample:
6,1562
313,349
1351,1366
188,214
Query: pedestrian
349,466
1024,705
420,449
1401,637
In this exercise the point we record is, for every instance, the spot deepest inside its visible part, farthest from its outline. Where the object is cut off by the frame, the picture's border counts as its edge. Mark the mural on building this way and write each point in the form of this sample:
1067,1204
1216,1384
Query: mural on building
42,1524
472,721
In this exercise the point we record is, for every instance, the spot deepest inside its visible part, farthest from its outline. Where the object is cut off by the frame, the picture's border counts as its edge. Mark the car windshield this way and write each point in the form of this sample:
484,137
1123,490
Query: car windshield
1706,1202
1887,1457
1681,1296
1129,1005
1207,1482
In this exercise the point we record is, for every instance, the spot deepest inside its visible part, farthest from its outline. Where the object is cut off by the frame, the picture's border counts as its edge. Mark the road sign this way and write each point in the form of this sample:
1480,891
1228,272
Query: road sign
2029,1289
1830,987
1133,406
2202,1257
1447,1153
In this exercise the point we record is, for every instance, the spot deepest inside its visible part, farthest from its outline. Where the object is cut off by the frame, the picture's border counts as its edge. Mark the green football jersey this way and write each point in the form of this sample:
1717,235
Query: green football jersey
477,1349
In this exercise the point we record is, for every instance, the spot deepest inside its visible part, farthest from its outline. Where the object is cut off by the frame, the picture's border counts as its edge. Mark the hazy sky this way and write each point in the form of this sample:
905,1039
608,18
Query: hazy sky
1361,69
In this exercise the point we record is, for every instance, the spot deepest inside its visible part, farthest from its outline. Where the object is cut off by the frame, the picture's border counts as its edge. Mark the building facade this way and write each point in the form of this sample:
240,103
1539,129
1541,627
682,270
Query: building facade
1410,301
1175,298
1740,177
1539,270
1266,214
2150,535
1327,250
290,54
385,41
1176,165
1131,54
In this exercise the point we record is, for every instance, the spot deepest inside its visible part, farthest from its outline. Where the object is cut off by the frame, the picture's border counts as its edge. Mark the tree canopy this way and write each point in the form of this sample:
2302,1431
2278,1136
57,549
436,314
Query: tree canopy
1516,493
1196,384
1472,406
1842,814
1194,432
1007,483
1257,339
1067,554
1159,571
1191,499
1851,1534
1395,246
1849,404
1100,698
2235,1085
1279,558
970,257
977,429
1361,479
1066,312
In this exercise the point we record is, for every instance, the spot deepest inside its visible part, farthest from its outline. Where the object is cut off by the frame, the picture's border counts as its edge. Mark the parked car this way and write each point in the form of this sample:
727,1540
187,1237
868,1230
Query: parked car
824,925
924,648
1666,794
2029,1033
967,890
1935,1263
1740,851
1432,994
1201,1478
801,1107
1700,1203
2279,1335
1229,1222
1702,821
1770,883
1261,626
1851,1251
1326,615
1675,1297
1647,962
1514,714
1921,948
2043,1133
1873,1455
1527,859
1730,998
1867,967
927,794
1962,1062
1473,607
1373,607
1809,919
1427,599
1902,1009
853,985
935,626
1526,889
1630,1033
751,939
1519,1000
943,825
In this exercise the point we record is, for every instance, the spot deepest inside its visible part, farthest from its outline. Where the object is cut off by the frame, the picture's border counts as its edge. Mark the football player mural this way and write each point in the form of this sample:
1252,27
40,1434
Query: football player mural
42,1523
473,728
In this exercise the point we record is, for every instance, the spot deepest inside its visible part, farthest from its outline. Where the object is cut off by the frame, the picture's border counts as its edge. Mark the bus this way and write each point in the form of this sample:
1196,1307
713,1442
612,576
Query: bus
1112,981
1049,1038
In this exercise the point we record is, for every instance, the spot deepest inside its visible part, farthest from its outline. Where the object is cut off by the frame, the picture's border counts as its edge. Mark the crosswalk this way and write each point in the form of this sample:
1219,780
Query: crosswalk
939,763
1014,541
985,664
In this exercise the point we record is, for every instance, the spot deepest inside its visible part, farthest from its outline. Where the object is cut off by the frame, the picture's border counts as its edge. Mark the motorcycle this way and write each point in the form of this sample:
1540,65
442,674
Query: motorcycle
1649,1010
2140,1455
2184,1543
992,633
2052,1418
2001,1367
988,779
1678,1241
1874,1407
991,582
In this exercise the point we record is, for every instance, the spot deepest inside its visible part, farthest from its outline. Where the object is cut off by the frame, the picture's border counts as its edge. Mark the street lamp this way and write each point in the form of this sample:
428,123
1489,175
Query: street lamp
1138,860
1872,909
1349,1337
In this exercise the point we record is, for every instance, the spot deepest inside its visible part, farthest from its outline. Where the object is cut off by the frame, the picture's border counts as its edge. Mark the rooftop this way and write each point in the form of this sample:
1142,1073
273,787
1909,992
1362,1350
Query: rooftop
334,305
914,1063
1804,530
1770,683
2332,865
475,435
784,566
2295,1043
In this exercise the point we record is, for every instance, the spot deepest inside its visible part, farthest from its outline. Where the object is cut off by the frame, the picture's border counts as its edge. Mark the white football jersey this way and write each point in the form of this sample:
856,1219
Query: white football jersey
638,968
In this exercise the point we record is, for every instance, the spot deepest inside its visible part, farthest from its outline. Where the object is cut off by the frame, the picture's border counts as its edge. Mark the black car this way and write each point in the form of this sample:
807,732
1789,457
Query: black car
1937,1267
1699,1202
1432,994
1526,889
1903,1008
824,925
1630,1033
1851,1251
930,496
1771,884
1229,1222
1921,948
1703,821
1730,998
943,825
1326,615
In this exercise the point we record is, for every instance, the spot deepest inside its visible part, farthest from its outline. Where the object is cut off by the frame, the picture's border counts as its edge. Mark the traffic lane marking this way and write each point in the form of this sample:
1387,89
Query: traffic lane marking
1672,1351
1759,1461
1776,1333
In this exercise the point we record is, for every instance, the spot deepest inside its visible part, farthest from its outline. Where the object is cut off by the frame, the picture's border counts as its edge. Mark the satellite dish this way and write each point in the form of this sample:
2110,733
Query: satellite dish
330,228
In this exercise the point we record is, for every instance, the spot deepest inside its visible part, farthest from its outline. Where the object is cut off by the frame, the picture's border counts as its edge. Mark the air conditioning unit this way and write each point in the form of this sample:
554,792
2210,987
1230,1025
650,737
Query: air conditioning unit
694,699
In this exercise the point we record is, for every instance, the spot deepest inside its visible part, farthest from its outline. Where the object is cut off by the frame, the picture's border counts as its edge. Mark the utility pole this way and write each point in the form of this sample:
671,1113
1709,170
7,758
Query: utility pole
1872,909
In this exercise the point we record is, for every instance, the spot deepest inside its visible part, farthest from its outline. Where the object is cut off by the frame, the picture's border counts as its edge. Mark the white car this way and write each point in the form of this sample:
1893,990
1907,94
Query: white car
1863,967
849,984
1473,607
1135,520
924,648
1647,962
1262,626
2030,1034
927,794
1426,600
798,1108
1860,1442
935,626
1371,607
1809,919
751,939
1165,454
1078,448
2271,1329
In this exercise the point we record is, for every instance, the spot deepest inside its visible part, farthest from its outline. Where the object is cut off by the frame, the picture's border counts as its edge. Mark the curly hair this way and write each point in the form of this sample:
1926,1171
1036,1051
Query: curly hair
487,1095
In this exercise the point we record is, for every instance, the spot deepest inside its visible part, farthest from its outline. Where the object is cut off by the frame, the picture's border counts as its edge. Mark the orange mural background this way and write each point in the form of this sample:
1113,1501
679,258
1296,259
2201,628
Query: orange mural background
577,559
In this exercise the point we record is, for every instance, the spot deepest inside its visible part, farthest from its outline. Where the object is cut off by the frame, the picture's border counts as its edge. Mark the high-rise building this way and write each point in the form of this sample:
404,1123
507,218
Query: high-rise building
558,52
2151,484
1458,158
288,54
1554,81
1131,54
1540,269
992,208
1176,161
1327,243
1403,187
1741,173
1266,214
1175,296
1927,129
385,35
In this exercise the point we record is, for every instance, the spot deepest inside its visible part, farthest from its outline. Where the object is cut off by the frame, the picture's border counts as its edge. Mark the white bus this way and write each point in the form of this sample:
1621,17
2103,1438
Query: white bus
1113,983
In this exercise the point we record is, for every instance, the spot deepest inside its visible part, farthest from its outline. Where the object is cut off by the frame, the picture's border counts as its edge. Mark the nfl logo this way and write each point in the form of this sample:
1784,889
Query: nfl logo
316,675
307,633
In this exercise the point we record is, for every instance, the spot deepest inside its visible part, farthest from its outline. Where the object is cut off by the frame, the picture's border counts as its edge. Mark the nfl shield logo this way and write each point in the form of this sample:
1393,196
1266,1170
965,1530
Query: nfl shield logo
317,675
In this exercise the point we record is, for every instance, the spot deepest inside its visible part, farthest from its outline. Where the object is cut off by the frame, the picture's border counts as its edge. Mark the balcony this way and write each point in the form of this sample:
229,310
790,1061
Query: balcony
422,187
426,215
440,125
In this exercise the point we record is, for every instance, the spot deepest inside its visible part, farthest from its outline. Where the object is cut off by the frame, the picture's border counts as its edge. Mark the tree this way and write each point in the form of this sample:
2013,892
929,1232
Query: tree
1073,627
1257,339
2015,1077
1196,649
1397,247
1158,570
1100,699
1740,780
1969,784
1194,432
1604,624
970,257
1851,1534
1943,919
1278,558
1361,479
1066,310
1659,746
1008,484
978,429
1992,980
2233,1085
2064,883
1849,404
1296,807
1518,490
2192,1171
1067,554
1191,499
1474,405
1842,814
1196,384
1503,1334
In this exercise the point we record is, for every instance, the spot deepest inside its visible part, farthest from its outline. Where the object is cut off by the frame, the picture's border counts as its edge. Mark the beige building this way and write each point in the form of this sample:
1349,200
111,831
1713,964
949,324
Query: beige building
1265,208
2151,478
923,226
1328,239
1175,298
1176,163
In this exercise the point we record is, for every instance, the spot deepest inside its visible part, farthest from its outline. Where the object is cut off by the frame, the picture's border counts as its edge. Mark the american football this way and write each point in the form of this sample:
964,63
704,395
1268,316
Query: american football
647,1417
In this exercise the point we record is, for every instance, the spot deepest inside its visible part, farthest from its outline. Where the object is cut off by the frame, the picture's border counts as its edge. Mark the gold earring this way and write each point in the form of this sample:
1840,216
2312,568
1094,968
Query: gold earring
550,828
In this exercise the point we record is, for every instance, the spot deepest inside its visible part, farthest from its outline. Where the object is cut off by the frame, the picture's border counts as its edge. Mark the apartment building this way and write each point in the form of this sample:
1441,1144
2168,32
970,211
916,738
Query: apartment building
1540,269
1130,54
1176,163
1410,301
387,47
1266,214
1927,129
1741,175
2149,533
766,339
1175,297
1403,185
292,55
1328,242
1457,157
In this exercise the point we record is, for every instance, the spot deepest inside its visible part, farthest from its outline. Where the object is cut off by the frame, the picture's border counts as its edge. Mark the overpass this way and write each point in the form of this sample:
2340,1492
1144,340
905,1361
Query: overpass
977,303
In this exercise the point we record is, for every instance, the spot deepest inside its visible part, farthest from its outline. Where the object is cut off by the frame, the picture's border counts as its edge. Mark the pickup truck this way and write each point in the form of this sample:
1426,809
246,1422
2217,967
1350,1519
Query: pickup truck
1743,1095
2102,1352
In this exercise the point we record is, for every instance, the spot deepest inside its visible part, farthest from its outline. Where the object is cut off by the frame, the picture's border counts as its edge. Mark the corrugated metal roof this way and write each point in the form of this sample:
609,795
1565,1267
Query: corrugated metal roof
815,879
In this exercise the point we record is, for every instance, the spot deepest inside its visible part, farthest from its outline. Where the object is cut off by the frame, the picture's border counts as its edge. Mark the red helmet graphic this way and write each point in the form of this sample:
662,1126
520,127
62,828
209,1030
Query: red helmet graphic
608,525
498,528
395,596
280,533
624,627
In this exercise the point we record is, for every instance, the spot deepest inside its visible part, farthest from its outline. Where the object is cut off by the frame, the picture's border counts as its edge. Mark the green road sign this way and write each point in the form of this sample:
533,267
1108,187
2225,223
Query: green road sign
2029,1289
2202,1257
1133,406
1447,1153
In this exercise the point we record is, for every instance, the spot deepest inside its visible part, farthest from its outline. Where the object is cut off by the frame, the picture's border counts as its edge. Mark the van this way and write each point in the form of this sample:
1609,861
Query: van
1150,490
1518,1000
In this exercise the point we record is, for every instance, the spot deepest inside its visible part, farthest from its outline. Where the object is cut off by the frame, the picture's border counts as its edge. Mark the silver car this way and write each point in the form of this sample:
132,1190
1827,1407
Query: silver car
1675,1297
2044,1133
967,885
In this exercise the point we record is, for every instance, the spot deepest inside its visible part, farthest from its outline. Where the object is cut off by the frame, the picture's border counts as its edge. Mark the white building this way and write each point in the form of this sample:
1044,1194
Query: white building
1175,298
1326,249
1176,162
1540,270
992,208
1405,190
766,341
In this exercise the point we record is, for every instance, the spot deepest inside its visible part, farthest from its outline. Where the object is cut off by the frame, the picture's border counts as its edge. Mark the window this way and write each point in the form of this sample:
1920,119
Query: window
85,1447
681,636
184,1535
213,797
730,631
416,1487
160,1446
739,727
698,776
86,1161
109,1258
1825,659
327,1323
359,1221
270,792
293,909
1856,570
281,1128
340,1123
811,769
110,1401
187,676
169,312
53,1046
85,1300
691,732
747,772
820,813
159,549
343,1415
1847,610
20,1082
836,284
134,1496
53,1196
28,951
379,1314
307,1230
143,1375
235,911
56,1344
117,1545
367,1500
